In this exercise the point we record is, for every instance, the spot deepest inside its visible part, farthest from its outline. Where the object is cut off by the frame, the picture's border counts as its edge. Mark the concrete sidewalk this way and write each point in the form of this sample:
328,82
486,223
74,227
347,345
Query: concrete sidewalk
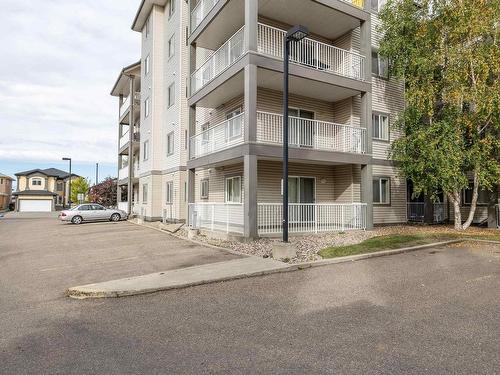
179,278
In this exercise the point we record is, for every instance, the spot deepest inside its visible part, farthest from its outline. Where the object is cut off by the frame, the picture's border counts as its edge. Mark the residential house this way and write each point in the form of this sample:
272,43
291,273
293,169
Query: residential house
42,190
5,191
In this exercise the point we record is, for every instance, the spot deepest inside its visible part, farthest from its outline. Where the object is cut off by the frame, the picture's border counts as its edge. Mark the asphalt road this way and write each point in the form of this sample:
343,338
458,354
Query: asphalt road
430,311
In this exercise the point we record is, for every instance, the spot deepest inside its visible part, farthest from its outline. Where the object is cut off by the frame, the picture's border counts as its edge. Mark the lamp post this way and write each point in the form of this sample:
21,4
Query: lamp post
295,34
69,197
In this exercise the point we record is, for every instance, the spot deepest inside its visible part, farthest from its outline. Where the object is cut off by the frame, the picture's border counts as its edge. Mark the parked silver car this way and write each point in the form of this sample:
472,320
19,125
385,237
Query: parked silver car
91,212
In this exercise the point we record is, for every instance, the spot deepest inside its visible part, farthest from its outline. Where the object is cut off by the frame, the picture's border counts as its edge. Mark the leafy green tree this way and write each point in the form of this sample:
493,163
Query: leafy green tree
79,185
447,53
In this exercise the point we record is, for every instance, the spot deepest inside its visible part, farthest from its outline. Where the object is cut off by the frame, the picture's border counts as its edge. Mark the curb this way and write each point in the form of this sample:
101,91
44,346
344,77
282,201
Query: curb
78,294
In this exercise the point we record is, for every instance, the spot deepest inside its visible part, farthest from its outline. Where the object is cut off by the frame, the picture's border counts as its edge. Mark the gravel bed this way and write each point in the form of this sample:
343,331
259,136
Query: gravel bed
308,246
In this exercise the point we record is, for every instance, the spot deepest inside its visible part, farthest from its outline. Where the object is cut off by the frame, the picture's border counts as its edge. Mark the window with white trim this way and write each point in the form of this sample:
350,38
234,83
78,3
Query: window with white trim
147,107
169,197
377,5
170,143
144,193
382,190
145,150
380,126
146,65
171,95
233,129
483,196
204,186
36,182
171,46
380,66
233,189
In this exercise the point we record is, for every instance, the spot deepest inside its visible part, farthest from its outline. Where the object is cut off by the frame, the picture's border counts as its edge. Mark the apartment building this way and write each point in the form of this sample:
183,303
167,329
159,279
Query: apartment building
206,103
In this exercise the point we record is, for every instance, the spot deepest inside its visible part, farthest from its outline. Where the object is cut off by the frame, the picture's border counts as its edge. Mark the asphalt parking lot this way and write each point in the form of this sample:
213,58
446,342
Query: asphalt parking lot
430,311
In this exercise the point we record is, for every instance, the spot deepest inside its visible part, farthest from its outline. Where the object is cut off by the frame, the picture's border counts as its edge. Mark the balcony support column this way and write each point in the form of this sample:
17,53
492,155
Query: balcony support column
367,193
250,196
191,181
250,92
130,186
251,22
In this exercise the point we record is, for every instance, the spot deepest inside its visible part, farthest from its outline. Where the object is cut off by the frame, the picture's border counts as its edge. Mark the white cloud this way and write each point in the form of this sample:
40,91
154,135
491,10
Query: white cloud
59,61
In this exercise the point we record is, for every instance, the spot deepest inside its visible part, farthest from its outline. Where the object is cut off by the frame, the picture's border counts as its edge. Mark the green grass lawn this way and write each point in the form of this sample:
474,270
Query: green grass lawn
397,241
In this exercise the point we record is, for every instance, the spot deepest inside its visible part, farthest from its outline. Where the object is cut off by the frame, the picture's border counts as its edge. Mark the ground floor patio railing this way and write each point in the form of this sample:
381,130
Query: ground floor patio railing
311,217
223,217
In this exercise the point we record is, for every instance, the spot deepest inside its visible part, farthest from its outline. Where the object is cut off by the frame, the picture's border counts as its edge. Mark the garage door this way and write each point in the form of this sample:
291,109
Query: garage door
35,205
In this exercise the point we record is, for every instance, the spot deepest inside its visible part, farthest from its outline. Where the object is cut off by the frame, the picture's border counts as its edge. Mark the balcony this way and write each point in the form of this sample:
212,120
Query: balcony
308,53
312,217
415,212
311,134
123,173
125,106
124,139
223,217
219,61
200,11
311,53
219,137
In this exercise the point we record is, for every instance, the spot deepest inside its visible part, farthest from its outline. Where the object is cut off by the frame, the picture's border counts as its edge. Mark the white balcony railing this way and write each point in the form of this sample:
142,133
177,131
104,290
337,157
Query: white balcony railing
311,217
200,11
219,61
313,134
311,53
123,206
415,212
123,173
219,137
224,217
125,106
124,139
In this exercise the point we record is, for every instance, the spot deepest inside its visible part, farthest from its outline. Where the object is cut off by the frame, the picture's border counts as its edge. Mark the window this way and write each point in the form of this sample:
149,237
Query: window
146,65
147,107
170,143
169,198
380,124
171,46
145,193
233,189
171,95
171,10
1,181
204,188
382,190
376,5
97,207
380,67
483,197
233,129
85,207
185,139
36,182
145,150
147,28
60,186
301,189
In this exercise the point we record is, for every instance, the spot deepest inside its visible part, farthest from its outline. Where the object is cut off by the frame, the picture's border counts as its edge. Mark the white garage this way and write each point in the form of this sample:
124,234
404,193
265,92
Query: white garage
38,205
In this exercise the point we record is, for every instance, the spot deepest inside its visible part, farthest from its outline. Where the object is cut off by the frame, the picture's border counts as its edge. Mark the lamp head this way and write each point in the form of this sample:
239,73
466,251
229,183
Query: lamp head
66,158
297,33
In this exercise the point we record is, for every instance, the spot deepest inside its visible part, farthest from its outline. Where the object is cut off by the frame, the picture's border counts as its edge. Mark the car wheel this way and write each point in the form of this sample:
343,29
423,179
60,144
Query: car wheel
115,217
77,220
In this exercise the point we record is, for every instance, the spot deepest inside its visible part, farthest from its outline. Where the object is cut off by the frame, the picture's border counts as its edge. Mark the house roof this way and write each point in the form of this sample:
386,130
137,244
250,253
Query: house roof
50,172
34,192
5,176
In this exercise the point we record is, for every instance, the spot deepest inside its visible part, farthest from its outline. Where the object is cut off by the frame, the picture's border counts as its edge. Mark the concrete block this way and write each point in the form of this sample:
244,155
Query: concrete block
192,233
282,251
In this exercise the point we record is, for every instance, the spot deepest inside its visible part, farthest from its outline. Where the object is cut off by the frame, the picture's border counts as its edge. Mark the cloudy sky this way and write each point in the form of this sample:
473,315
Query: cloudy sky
60,59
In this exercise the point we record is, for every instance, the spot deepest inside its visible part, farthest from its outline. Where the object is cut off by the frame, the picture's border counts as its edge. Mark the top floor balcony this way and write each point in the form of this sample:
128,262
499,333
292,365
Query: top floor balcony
308,53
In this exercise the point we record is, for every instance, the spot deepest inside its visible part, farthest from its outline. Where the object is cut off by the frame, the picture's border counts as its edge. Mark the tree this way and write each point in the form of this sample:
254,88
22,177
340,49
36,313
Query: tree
104,193
447,53
79,186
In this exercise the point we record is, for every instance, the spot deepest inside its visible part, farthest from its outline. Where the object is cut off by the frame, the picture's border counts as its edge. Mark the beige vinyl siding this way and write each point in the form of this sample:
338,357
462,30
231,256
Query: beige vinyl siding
396,211
216,177
342,112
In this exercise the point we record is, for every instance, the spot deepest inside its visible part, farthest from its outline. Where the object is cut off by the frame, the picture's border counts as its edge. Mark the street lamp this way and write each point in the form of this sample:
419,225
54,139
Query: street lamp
295,34
69,198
